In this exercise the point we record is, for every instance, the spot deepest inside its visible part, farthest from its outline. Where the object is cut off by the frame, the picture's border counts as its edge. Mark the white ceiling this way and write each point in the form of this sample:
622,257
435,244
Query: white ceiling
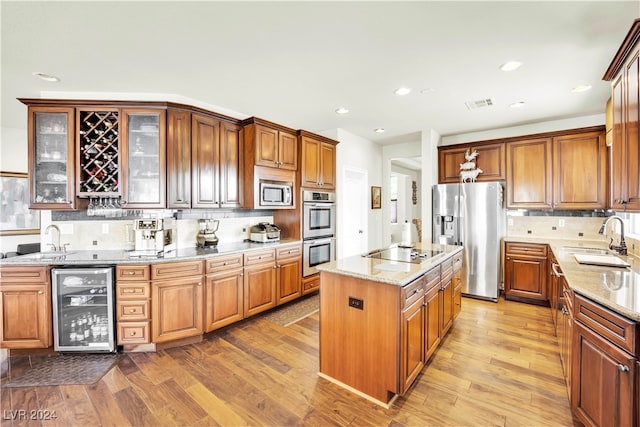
294,63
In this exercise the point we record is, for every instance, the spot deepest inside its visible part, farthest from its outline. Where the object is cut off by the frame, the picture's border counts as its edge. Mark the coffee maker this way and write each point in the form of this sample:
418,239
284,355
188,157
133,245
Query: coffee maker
207,234
153,236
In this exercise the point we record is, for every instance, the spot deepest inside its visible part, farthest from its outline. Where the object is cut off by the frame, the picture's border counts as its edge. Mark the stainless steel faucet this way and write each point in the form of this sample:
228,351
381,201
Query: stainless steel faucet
57,247
622,247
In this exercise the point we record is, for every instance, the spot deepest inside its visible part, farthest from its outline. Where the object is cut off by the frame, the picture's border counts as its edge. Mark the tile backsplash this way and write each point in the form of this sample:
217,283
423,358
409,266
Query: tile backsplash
556,227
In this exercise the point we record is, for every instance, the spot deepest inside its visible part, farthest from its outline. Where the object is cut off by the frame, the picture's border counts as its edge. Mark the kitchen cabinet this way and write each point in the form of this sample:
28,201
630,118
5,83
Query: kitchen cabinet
528,186
555,290
318,161
224,291
289,273
491,159
624,75
446,296
412,333
176,300
526,272
51,155
580,171
25,307
178,159
133,305
143,158
272,146
566,331
259,281
310,284
216,149
431,314
457,284
605,358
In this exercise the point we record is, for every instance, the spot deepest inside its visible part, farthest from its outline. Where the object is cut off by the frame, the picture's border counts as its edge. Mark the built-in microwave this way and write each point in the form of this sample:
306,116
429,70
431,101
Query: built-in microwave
275,193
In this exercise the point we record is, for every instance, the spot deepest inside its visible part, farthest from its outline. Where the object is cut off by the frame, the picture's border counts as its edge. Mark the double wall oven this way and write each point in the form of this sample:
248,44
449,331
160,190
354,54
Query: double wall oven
318,229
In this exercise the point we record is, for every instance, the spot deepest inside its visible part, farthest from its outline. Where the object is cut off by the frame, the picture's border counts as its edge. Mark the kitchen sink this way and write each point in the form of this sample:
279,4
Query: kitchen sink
582,250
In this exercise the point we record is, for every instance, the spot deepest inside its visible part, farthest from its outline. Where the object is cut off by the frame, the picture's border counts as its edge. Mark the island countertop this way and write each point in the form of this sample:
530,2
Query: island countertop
613,287
390,272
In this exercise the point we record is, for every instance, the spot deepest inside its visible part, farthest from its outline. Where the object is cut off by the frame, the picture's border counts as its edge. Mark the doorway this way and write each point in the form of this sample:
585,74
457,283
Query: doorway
353,207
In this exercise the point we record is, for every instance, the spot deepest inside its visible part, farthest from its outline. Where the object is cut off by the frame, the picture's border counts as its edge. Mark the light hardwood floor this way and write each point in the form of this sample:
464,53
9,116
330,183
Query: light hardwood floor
499,366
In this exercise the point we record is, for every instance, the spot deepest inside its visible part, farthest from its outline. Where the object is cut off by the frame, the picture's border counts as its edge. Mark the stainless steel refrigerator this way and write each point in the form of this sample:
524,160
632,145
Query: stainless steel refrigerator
472,215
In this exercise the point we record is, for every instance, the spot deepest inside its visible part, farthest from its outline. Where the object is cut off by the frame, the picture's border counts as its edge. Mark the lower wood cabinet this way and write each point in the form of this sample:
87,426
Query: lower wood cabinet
412,347
259,282
133,305
177,302
289,263
526,274
25,307
310,284
566,325
223,292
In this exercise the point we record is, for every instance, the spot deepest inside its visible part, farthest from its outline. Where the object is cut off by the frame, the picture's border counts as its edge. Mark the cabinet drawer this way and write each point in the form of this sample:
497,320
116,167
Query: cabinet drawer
132,310
24,274
133,333
412,292
259,257
289,252
446,268
615,328
457,262
132,272
133,290
310,284
174,270
432,278
532,249
223,263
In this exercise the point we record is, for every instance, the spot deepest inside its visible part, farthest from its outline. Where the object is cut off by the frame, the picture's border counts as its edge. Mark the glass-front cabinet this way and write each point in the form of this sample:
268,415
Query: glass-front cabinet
143,148
51,158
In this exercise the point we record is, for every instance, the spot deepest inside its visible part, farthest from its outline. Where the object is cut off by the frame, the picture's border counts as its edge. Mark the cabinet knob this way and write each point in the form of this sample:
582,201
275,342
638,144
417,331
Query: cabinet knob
133,334
131,273
199,283
40,292
133,310
623,368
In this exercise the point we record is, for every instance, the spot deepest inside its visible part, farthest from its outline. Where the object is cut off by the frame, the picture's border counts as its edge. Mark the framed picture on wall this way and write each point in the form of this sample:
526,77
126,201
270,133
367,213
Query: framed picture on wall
376,197
15,215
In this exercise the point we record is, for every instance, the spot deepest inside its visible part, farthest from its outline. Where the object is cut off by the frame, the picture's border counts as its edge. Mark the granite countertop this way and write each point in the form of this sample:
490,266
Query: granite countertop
613,287
390,272
120,257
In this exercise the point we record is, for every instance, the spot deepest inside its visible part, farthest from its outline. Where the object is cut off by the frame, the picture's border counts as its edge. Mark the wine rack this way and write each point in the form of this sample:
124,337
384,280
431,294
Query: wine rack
99,153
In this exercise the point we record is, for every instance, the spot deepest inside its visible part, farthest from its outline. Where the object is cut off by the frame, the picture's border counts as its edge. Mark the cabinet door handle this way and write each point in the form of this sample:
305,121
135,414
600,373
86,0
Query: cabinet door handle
623,368
564,311
556,272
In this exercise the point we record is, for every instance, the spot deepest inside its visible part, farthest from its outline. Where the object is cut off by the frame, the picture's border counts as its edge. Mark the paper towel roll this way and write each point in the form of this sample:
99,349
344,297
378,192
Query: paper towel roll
406,233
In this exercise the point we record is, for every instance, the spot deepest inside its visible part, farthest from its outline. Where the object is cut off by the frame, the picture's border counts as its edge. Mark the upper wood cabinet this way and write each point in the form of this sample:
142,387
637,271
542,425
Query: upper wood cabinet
580,171
318,161
624,75
491,159
270,145
529,174
178,159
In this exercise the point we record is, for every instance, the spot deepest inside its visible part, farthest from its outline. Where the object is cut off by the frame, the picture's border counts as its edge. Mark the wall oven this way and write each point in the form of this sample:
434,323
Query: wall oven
315,252
319,214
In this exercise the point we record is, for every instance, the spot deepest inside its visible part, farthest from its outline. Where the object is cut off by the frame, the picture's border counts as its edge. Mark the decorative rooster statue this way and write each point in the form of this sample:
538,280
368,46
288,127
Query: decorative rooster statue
468,170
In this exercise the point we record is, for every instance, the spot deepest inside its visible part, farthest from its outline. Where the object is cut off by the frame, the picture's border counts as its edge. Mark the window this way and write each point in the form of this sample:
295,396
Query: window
393,211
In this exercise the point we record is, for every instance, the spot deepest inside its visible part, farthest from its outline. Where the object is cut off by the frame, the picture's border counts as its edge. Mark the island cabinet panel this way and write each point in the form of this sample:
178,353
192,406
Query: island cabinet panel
25,307
359,345
412,334
178,159
580,171
432,335
491,159
529,186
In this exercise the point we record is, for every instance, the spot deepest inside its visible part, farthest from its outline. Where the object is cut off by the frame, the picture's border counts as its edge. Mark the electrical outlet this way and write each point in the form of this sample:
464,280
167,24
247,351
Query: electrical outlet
356,303
561,222
510,222
95,243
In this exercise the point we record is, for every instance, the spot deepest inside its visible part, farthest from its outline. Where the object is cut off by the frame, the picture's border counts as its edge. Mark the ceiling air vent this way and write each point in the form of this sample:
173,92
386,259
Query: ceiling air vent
480,103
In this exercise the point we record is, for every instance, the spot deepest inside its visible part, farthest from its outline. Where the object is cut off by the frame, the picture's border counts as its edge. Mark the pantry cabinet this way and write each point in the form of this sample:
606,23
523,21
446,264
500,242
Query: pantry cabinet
25,307
624,75
490,159
318,161
526,272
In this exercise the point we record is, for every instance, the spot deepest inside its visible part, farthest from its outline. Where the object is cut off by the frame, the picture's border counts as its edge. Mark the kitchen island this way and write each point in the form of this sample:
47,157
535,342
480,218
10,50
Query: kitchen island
381,319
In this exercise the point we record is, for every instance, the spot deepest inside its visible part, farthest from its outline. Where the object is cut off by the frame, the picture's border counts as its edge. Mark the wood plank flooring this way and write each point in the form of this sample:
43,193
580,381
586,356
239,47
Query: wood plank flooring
499,366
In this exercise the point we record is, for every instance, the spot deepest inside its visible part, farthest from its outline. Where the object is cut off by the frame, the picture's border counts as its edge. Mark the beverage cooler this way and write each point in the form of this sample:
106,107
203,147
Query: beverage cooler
83,309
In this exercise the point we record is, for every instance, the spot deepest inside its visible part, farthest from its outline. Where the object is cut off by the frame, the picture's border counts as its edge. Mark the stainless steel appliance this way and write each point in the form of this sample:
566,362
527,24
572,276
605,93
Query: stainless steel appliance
404,254
472,215
83,309
275,193
315,252
319,214
264,232
207,232
153,236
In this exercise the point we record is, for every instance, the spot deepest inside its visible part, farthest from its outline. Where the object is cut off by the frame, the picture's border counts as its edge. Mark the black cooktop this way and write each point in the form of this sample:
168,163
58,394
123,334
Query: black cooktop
405,254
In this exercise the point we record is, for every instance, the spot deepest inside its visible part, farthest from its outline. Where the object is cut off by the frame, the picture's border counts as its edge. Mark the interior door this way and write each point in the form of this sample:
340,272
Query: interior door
353,208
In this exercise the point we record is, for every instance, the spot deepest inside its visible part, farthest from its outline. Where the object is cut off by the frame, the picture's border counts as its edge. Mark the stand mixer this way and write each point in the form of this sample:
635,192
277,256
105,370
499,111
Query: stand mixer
207,234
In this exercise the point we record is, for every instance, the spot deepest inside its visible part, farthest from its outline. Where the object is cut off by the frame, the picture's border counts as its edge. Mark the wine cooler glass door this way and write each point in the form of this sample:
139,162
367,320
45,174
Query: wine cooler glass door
83,309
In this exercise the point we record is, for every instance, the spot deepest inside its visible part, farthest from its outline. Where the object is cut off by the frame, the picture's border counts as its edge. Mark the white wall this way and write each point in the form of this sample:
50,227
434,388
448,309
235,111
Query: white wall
549,126
407,211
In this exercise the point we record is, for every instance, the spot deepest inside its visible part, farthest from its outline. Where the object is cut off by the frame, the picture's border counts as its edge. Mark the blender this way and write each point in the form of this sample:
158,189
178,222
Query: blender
207,234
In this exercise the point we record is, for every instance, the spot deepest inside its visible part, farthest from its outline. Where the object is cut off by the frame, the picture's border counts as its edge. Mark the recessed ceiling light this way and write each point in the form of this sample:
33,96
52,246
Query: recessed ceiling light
511,65
428,90
517,104
379,130
342,110
46,77
581,88
402,91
